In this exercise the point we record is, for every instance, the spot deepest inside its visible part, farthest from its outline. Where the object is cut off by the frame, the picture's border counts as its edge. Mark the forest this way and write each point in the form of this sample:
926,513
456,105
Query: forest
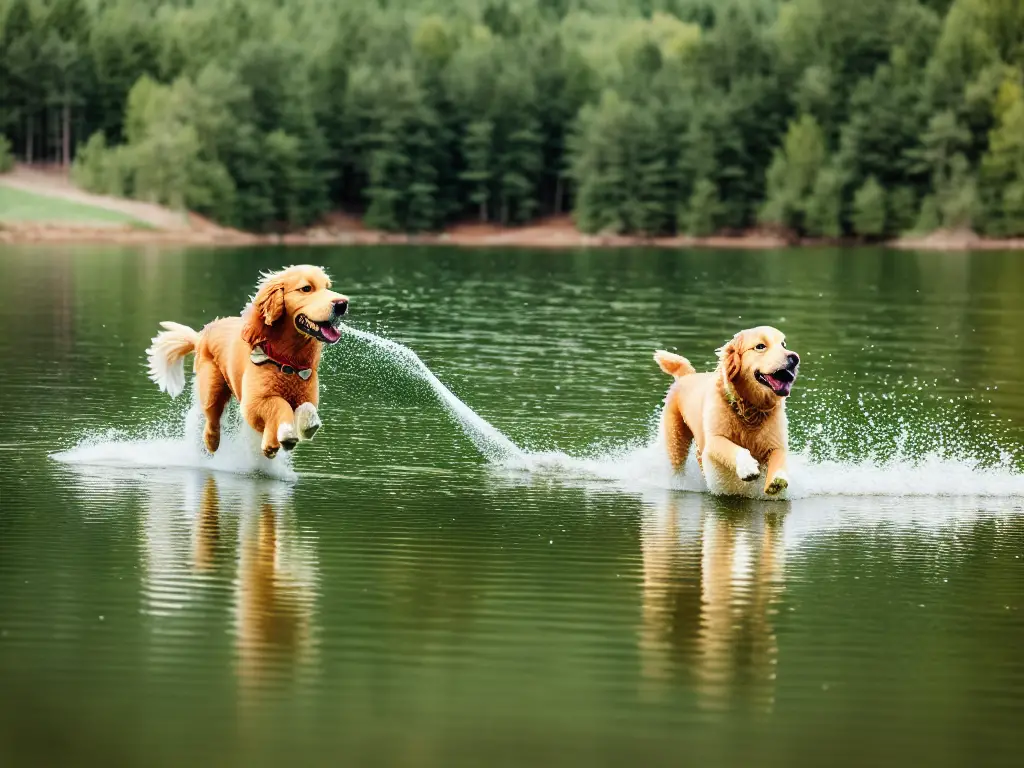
820,118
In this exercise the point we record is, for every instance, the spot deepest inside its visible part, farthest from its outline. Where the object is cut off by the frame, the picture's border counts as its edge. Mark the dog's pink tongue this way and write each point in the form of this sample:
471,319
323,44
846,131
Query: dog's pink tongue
330,333
780,387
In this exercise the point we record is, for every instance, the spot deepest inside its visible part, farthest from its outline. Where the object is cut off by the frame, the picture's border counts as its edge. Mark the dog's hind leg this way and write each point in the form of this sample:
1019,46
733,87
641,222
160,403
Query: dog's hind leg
214,395
276,420
678,436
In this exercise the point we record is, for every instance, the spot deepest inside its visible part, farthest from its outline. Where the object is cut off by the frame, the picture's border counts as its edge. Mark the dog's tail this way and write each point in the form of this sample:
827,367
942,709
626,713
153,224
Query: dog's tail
166,356
673,364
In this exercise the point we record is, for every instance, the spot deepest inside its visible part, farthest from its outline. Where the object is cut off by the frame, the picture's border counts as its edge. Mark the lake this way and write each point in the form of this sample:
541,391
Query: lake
402,592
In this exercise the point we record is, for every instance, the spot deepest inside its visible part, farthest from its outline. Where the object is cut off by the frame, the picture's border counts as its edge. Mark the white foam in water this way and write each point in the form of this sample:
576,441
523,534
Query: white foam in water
647,466
175,445
631,467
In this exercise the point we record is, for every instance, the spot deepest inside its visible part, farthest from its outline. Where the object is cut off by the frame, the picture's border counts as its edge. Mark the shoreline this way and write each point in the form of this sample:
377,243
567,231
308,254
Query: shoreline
553,235
45,190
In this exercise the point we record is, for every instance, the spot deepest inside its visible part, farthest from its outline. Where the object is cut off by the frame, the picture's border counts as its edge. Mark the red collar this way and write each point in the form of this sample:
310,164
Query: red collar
262,354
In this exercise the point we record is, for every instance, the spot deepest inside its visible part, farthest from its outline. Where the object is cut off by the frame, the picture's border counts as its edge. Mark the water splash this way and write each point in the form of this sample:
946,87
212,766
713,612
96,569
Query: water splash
892,463
494,445
646,467
888,468
165,445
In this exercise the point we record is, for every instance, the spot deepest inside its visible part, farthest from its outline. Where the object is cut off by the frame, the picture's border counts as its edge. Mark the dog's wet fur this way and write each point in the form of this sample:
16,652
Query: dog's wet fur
736,414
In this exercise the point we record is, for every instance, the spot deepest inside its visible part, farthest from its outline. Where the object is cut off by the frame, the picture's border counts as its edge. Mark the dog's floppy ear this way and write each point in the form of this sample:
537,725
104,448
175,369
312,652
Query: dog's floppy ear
731,357
264,310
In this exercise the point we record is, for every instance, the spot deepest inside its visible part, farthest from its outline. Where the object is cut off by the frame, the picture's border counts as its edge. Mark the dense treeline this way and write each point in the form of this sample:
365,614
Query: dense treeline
822,117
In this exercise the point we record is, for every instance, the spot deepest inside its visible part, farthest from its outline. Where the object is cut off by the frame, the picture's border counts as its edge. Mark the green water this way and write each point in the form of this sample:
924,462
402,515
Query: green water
401,600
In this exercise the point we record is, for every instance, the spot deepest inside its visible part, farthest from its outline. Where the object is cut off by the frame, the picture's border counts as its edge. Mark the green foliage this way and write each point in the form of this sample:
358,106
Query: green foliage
480,172
1002,167
641,117
167,157
869,209
957,196
624,180
901,210
883,129
793,175
6,158
93,167
703,209
823,210
928,218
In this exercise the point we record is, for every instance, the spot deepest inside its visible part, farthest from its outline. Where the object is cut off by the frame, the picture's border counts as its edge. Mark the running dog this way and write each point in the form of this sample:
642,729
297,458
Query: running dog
267,358
737,413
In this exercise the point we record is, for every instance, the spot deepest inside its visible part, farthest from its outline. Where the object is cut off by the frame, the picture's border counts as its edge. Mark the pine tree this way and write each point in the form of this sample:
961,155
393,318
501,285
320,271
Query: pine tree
702,209
599,164
479,173
520,170
823,207
901,210
1002,167
793,173
869,209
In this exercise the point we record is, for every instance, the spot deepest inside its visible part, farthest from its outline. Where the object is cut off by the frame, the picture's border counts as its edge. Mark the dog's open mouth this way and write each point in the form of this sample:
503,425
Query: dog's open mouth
324,331
780,382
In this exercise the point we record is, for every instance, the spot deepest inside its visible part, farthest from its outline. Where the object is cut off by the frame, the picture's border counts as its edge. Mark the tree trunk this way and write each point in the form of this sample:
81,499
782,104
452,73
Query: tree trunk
483,211
66,143
558,195
29,130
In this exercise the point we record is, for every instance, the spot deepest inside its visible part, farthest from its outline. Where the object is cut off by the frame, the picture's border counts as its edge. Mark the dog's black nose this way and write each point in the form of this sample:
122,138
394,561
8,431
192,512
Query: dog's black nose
792,359
339,308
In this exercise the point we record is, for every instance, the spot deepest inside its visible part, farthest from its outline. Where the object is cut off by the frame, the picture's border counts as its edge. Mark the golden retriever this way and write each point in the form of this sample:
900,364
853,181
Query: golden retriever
267,358
737,413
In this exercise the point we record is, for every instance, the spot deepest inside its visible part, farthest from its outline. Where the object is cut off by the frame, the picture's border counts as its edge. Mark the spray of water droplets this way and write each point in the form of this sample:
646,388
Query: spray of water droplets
894,447
177,441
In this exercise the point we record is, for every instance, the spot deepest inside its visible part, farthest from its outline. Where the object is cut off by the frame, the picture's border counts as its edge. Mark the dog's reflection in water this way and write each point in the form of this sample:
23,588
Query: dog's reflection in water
241,532
276,592
712,579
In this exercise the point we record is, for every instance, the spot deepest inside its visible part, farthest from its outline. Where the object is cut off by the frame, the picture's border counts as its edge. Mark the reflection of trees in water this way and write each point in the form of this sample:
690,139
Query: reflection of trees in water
712,576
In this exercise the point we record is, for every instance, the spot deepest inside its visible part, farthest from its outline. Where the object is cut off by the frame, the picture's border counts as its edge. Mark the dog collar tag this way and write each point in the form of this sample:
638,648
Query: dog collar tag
305,373
258,356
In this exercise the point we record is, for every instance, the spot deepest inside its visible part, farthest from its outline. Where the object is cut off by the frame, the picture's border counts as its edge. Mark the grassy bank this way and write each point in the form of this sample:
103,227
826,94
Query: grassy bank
19,206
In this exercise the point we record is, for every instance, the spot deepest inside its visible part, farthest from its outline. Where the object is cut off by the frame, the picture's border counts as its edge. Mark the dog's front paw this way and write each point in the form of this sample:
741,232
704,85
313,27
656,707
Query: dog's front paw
307,421
746,466
287,436
778,484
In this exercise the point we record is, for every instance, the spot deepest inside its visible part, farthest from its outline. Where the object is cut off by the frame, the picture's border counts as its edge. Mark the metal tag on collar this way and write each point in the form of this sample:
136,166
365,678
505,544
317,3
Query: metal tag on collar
258,356
305,373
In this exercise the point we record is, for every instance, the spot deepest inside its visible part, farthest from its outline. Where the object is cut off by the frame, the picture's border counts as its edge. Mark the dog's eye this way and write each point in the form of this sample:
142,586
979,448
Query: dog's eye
783,345
761,347
306,288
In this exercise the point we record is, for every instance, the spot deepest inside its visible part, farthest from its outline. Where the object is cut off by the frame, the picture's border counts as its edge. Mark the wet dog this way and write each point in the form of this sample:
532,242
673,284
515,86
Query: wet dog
267,358
737,413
